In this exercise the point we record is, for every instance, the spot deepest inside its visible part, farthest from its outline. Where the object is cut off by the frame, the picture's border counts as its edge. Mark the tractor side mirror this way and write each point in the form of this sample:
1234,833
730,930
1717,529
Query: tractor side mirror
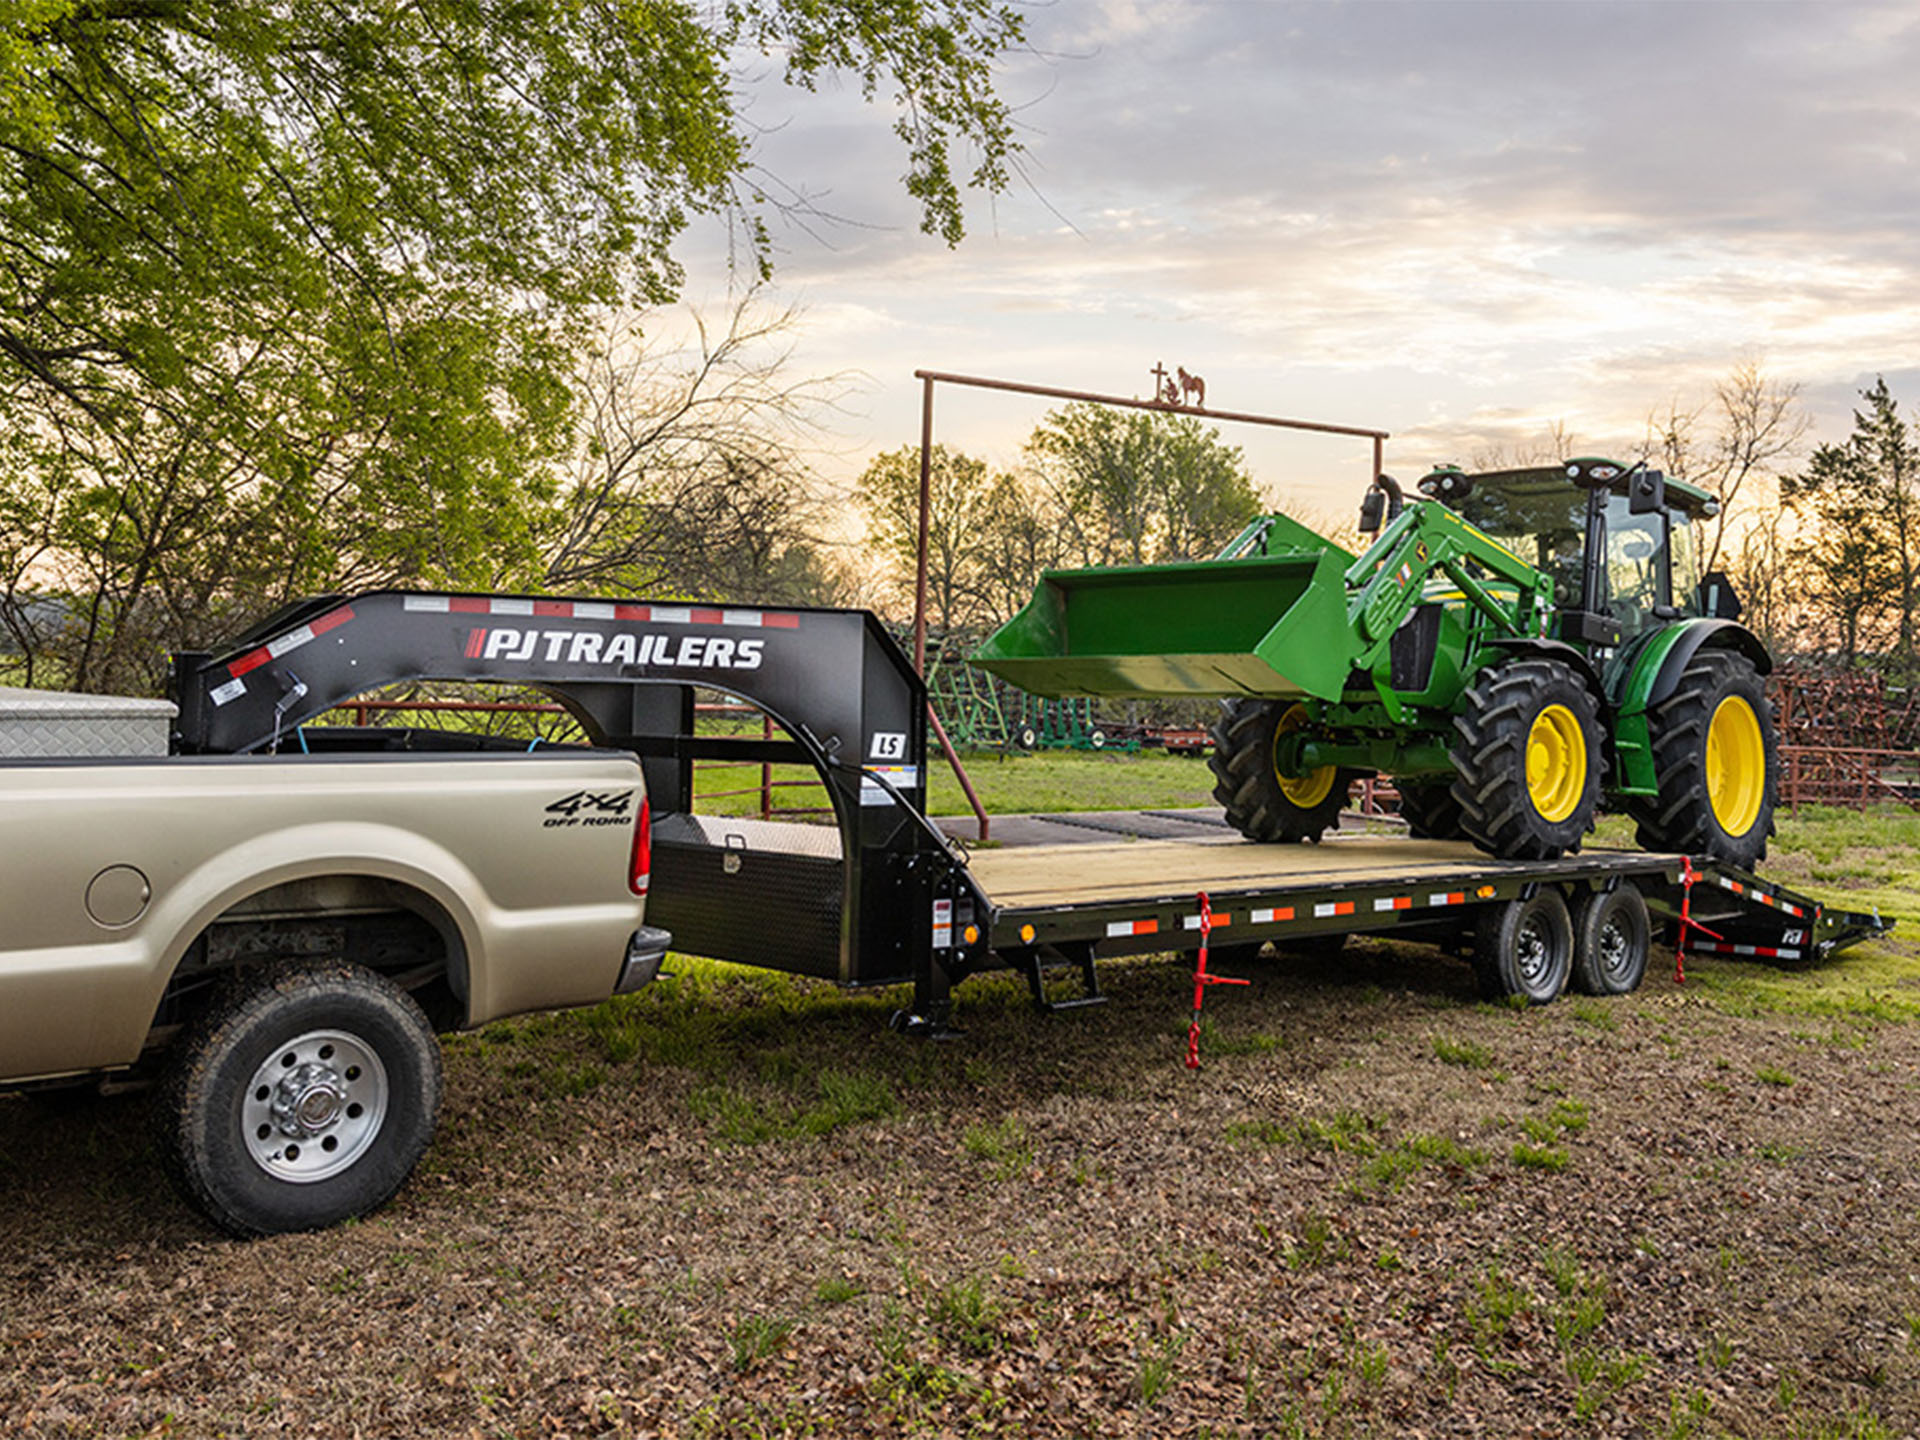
1383,500
1371,509
1646,492
1716,597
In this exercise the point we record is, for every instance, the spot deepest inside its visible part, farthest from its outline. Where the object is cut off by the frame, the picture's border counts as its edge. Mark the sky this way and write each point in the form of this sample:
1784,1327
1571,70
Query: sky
1461,223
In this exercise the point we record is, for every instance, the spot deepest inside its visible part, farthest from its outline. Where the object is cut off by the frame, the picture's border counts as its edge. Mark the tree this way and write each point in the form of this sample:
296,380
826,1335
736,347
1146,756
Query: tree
1757,423
296,285
962,495
691,476
1865,554
1134,487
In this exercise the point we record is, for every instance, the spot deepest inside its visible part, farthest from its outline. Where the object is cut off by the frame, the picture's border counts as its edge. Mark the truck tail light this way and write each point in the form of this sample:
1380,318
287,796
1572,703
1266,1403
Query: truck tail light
640,872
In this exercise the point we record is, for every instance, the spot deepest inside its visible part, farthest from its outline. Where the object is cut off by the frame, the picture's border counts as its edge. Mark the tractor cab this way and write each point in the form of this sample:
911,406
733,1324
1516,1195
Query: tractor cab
1617,541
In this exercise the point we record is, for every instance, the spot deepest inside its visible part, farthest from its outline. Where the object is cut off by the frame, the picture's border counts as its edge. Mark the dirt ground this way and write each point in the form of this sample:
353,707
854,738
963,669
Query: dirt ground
743,1207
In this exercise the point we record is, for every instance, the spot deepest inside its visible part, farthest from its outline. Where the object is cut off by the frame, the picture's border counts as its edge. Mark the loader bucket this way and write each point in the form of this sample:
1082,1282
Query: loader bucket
1272,625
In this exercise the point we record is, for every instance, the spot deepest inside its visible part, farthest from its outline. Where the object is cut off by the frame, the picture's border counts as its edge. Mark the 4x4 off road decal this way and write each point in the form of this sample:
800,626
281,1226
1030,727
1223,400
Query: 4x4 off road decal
588,807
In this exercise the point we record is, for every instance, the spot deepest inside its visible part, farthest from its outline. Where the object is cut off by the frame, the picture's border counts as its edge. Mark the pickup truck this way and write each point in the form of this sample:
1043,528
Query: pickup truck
276,939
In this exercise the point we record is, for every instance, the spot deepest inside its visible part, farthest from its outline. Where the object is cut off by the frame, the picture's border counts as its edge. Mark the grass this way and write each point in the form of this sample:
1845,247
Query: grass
1074,780
1464,1053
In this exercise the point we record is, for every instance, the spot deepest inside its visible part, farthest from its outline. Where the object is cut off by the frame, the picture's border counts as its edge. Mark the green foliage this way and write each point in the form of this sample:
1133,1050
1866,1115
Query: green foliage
1135,487
988,534
1865,560
294,289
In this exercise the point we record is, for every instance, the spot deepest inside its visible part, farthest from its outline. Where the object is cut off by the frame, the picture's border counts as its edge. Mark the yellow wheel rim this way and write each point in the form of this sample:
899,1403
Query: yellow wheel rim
1556,763
1736,765
1308,790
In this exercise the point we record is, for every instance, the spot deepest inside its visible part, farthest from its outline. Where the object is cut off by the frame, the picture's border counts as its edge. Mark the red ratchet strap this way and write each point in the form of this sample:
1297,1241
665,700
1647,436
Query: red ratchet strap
1201,980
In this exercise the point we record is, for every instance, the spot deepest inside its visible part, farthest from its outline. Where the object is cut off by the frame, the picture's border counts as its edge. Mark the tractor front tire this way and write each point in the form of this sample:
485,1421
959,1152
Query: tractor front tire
1527,749
1717,763
1262,804
1430,810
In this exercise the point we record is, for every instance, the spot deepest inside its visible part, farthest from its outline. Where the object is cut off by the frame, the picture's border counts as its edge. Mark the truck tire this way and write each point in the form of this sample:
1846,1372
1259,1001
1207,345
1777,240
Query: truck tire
1716,762
304,1098
1263,804
1611,940
1524,947
1430,810
1527,749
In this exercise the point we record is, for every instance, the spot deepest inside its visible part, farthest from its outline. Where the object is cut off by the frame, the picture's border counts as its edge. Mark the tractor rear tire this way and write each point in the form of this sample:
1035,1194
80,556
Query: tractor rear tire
1717,763
1262,804
1430,811
1527,749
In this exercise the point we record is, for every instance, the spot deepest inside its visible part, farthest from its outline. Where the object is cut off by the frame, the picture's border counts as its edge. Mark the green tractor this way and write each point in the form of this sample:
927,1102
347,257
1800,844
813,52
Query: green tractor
1514,648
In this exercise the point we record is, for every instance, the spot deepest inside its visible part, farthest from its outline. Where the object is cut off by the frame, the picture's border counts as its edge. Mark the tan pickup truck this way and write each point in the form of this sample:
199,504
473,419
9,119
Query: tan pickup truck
278,938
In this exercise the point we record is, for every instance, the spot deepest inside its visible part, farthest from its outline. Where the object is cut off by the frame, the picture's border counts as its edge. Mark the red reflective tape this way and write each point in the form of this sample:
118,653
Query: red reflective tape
332,620
470,605
705,617
780,622
1403,902
252,660
1343,907
1146,927
633,612
558,609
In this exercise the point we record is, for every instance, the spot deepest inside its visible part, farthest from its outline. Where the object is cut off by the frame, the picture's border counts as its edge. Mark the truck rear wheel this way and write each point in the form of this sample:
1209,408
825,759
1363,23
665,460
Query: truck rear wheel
1527,749
1263,804
1716,762
1611,938
305,1098
1525,947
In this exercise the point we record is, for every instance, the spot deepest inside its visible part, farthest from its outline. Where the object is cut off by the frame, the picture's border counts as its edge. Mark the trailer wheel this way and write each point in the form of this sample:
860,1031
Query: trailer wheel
1263,804
1525,947
303,1099
1026,737
1430,811
1611,939
1717,764
1527,749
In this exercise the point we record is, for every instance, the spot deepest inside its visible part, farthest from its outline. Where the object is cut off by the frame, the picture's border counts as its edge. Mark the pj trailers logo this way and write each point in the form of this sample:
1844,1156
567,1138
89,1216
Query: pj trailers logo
592,647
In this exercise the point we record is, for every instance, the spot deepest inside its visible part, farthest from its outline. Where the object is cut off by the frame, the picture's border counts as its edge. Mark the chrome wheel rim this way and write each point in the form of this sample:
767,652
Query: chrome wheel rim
314,1106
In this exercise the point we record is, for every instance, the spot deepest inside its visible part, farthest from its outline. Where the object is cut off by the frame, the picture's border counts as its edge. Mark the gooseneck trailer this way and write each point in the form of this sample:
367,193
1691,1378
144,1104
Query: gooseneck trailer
879,895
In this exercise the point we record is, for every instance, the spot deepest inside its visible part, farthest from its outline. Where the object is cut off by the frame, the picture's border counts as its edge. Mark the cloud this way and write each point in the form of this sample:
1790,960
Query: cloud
1454,220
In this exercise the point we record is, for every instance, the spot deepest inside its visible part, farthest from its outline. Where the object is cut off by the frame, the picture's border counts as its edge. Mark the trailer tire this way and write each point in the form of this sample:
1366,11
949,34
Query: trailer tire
1524,948
1612,937
305,1097
1716,762
1430,811
1527,749
1261,803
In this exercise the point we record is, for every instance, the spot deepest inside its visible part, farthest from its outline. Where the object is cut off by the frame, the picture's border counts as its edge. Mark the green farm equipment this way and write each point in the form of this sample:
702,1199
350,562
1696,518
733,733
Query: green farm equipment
1511,648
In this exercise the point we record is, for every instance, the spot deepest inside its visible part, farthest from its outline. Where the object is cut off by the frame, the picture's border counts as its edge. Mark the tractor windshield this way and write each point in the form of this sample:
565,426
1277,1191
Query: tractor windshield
1539,517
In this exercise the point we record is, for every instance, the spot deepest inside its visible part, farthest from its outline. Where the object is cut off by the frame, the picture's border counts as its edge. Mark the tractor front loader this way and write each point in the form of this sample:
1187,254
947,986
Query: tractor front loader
1509,648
